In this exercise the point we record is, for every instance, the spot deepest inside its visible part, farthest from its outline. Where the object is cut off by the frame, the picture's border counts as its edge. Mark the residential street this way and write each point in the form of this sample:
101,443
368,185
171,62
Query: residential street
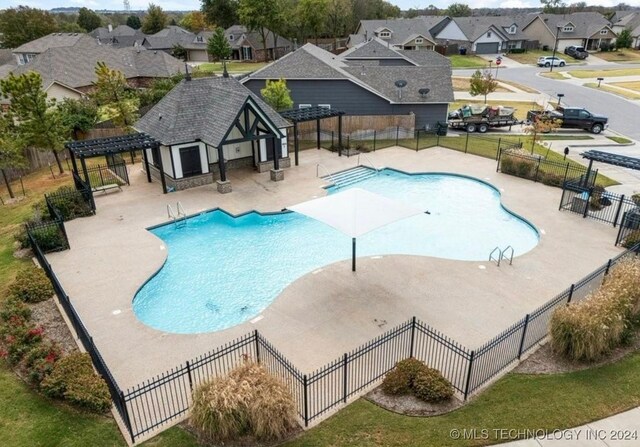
623,114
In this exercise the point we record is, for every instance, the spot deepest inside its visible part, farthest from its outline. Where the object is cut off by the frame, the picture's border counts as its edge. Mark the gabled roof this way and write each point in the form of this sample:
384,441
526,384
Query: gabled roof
311,62
75,66
118,31
630,21
253,38
586,24
401,29
53,40
475,27
202,109
377,49
168,38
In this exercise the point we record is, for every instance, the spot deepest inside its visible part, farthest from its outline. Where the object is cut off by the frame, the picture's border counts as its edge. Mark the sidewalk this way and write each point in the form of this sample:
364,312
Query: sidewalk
603,433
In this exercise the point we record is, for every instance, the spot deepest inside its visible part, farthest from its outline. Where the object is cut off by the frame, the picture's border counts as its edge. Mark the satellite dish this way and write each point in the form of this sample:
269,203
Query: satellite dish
424,91
401,83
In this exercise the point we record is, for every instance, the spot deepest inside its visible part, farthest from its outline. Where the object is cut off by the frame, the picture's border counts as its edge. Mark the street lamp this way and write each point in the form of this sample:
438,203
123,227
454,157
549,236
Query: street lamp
560,96
555,46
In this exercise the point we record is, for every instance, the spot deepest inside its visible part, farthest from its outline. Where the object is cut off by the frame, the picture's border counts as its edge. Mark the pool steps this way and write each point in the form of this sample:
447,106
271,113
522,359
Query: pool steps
351,176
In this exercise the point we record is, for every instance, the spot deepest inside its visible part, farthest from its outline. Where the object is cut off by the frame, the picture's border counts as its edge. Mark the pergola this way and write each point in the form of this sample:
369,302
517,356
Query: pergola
114,145
610,159
312,114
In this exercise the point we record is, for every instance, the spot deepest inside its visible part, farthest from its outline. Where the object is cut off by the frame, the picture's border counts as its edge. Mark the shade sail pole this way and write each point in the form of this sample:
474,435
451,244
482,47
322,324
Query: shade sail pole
353,250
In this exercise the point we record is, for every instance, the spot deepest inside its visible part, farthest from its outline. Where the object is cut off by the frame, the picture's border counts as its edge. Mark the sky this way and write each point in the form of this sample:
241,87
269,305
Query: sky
195,4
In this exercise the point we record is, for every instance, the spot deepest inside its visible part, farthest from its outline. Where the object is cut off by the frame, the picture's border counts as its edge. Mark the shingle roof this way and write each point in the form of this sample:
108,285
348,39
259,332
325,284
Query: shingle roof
75,66
586,24
378,49
311,62
631,21
253,38
203,109
54,40
118,31
426,58
6,56
475,27
402,29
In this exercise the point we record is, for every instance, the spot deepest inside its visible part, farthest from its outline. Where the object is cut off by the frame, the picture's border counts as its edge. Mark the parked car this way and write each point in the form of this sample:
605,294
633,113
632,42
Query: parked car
576,52
572,118
546,61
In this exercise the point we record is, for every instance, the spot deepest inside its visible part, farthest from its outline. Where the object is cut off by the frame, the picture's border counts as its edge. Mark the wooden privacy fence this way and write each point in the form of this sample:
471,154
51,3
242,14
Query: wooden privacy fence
352,123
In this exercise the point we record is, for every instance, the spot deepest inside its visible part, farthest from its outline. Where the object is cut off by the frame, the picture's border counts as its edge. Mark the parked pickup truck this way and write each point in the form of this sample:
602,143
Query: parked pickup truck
572,118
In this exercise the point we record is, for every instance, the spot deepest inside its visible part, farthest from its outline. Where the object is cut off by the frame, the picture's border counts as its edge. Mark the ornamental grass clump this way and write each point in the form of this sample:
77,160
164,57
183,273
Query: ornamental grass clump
590,329
249,402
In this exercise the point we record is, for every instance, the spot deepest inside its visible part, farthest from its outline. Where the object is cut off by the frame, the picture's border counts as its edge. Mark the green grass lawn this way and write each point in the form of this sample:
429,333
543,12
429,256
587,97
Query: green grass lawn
232,67
530,57
467,61
627,55
620,140
585,74
518,401
553,75
616,91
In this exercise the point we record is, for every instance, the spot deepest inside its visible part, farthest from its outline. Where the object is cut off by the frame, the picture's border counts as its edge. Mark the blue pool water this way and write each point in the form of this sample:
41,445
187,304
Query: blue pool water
222,271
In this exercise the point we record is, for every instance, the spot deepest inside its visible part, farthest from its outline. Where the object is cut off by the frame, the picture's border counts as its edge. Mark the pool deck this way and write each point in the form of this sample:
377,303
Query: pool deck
326,313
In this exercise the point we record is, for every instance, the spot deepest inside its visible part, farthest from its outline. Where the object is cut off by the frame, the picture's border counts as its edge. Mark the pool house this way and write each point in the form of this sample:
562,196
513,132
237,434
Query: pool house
209,125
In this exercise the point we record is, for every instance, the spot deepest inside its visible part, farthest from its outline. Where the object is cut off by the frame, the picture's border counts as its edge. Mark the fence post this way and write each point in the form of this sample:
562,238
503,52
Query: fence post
466,143
499,143
587,202
256,336
397,134
468,384
524,334
606,272
571,289
375,136
615,221
344,378
305,383
499,157
566,172
127,420
189,374
413,337
417,140
619,236
535,178
437,138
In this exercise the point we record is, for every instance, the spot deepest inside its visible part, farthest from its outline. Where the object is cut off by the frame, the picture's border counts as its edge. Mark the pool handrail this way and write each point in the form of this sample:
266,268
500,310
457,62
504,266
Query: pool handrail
318,166
370,162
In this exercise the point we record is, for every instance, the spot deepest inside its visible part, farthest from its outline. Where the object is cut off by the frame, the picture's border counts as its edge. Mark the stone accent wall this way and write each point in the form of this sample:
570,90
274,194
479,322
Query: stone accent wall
182,183
265,166
232,164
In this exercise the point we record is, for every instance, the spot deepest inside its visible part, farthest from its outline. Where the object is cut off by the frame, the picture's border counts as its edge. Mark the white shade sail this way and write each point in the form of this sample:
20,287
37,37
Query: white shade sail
355,211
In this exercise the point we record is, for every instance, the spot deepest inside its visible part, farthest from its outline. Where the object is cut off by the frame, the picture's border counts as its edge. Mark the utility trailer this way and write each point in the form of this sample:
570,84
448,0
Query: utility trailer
480,118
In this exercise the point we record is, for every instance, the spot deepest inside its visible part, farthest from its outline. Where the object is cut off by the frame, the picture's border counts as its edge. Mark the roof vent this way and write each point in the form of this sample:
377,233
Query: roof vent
159,116
424,92
400,84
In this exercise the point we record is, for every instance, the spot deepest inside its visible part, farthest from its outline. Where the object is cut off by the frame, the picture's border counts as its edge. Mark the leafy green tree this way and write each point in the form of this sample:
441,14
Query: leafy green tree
179,52
223,13
624,39
11,151
70,27
112,92
553,6
24,24
313,14
158,89
482,84
88,19
218,46
78,115
458,10
134,22
39,122
194,21
154,20
258,15
277,95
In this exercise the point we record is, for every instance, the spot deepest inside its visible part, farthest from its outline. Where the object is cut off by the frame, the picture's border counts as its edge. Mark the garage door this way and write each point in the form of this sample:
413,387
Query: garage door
198,55
487,48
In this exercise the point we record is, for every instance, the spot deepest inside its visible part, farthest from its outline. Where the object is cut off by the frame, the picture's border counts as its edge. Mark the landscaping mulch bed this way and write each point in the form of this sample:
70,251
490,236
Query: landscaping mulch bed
410,405
47,315
544,361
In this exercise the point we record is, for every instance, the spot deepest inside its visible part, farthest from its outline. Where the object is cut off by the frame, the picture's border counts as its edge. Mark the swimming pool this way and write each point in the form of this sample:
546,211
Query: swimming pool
223,270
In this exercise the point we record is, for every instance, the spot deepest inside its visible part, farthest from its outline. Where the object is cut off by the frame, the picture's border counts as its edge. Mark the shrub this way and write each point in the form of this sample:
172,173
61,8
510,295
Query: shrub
400,380
430,386
31,285
73,378
14,308
70,203
589,329
19,337
636,198
49,237
40,360
551,179
631,240
520,167
248,402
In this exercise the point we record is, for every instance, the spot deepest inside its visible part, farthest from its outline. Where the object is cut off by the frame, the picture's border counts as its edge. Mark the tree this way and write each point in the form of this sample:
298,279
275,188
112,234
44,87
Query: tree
194,21
223,13
541,126
257,15
112,92
134,22
458,10
78,115
624,39
482,84
313,14
155,20
24,24
39,122
88,19
158,89
277,95
218,46
179,52
552,6
11,151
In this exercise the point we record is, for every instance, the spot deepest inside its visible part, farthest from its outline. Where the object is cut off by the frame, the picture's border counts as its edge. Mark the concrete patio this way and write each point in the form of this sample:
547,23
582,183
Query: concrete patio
323,314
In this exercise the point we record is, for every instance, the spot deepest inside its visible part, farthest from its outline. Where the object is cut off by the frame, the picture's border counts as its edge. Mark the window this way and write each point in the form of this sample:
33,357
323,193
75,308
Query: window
567,29
512,30
199,39
385,34
584,114
325,106
419,40
190,160
304,106
231,37
489,34
604,31
155,155
246,53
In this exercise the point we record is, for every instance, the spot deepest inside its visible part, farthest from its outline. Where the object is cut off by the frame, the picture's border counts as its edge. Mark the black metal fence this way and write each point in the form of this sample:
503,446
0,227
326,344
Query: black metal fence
538,169
114,173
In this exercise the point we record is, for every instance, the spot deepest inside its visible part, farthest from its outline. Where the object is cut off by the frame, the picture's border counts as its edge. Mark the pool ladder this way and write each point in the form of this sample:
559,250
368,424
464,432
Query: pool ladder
179,219
507,254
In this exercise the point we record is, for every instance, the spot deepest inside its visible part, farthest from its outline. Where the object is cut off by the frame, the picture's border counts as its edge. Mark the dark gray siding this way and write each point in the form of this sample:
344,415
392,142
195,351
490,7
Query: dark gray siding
354,100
